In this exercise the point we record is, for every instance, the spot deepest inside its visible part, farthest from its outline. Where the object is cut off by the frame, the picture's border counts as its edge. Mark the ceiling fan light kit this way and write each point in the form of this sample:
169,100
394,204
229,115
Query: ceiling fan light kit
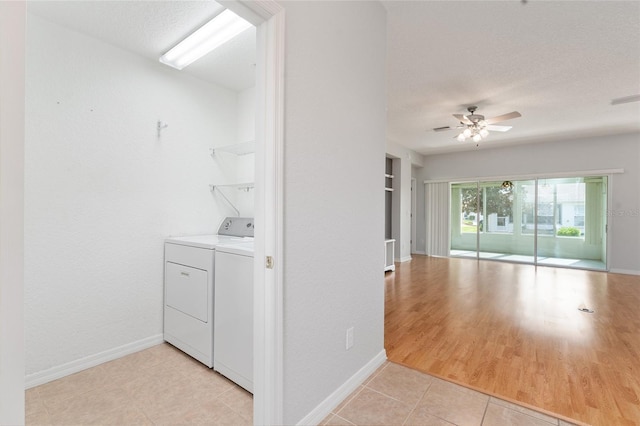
476,127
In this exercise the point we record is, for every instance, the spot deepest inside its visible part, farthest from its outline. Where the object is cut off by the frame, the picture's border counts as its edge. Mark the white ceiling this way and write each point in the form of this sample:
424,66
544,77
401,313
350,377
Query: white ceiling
150,28
559,63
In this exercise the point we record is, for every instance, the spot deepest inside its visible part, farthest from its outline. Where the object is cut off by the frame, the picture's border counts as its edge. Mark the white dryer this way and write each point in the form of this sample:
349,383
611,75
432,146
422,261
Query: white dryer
189,287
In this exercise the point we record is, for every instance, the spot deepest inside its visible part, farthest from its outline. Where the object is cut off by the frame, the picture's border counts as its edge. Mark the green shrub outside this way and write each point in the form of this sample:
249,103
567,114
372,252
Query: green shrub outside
568,231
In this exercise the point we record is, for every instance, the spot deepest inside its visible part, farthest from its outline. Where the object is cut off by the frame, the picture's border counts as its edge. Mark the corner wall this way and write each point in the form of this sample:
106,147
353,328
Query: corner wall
600,153
12,62
334,199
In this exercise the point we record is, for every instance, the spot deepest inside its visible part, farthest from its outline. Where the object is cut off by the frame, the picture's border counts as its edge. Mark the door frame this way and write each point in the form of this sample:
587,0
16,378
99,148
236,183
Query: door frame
269,18
414,204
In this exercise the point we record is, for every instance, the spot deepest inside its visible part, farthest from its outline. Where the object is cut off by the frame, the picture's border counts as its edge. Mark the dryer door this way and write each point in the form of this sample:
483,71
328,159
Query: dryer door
186,290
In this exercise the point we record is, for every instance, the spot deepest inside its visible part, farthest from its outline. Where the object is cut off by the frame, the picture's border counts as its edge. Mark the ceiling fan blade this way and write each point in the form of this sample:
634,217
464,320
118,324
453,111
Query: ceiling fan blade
503,117
494,128
442,129
462,118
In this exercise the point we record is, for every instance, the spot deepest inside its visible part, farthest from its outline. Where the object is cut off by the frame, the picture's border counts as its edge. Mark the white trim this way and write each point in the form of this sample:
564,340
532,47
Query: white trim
268,399
69,368
608,234
414,209
403,259
253,13
448,256
424,253
624,271
552,175
332,401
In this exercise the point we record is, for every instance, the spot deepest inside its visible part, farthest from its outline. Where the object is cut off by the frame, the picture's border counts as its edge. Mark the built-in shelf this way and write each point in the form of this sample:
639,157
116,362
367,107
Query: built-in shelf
242,148
388,182
389,243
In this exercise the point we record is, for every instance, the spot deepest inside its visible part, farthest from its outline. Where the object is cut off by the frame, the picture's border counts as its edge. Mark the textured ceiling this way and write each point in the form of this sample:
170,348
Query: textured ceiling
150,28
559,63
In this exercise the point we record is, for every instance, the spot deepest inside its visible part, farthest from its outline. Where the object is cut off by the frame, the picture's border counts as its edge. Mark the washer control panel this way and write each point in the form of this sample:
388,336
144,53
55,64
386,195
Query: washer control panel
237,227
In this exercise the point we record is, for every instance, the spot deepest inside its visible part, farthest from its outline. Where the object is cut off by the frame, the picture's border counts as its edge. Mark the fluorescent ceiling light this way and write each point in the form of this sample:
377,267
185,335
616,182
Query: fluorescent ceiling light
211,35
626,99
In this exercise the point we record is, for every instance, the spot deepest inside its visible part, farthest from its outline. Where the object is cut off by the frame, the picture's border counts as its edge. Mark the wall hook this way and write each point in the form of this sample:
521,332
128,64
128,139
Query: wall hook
161,126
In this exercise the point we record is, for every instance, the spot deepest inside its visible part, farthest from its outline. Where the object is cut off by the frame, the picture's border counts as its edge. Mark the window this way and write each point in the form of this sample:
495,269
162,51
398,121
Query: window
558,221
578,215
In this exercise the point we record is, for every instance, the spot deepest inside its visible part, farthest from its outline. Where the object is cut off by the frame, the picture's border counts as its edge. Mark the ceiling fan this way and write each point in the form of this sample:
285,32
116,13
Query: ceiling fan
476,127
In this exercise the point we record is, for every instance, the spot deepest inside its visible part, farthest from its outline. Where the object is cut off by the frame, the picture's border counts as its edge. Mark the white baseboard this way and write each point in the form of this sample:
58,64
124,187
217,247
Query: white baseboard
332,401
424,253
624,271
53,373
403,259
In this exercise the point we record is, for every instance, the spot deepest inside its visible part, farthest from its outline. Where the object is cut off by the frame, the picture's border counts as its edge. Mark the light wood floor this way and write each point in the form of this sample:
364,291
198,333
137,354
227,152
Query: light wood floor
515,331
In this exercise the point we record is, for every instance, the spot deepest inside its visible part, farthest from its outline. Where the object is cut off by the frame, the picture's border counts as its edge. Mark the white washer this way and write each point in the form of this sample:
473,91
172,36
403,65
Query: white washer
189,282
233,324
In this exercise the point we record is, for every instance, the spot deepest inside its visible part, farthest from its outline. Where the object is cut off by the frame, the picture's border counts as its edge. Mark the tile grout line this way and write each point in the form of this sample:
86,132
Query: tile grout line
486,407
231,408
384,394
416,404
348,400
342,418
556,420
144,414
359,389
526,413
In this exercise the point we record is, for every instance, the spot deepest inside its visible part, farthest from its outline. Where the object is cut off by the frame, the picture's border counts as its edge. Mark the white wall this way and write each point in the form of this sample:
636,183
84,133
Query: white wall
421,232
613,152
12,58
404,160
246,163
102,191
334,202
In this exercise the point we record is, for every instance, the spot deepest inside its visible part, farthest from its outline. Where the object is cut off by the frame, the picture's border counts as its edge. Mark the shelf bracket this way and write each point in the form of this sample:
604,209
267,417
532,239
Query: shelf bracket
213,189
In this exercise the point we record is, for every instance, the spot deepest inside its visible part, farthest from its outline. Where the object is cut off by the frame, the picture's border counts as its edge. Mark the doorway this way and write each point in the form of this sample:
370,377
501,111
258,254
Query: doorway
270,22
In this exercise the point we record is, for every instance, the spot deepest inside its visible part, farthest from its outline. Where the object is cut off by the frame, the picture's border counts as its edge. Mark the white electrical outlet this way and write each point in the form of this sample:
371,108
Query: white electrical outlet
349,338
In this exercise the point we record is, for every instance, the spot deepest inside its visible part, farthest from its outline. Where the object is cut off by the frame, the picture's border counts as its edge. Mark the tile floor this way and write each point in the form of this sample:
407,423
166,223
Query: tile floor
396,395
163,386
157,386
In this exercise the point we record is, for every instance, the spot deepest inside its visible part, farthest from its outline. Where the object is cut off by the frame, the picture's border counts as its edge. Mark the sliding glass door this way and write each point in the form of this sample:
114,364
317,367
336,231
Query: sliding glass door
572,222
501,234
554,222
465,219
